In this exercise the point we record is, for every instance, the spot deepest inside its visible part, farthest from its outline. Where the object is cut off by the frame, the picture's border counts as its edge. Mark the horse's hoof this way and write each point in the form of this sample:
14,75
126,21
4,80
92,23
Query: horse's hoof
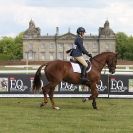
57,108
94,105
42,104
84,100
95,108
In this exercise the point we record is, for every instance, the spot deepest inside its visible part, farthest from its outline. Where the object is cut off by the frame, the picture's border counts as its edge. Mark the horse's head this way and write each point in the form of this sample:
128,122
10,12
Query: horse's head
111,62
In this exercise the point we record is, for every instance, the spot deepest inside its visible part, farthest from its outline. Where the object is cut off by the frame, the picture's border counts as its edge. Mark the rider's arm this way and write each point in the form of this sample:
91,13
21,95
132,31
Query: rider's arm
79,43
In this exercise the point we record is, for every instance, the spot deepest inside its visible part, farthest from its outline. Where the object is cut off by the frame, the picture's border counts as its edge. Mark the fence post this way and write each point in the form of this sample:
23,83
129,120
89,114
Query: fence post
108,85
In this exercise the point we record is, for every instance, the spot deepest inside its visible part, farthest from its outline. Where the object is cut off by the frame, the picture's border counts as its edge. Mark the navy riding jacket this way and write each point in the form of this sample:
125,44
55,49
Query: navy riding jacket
78,48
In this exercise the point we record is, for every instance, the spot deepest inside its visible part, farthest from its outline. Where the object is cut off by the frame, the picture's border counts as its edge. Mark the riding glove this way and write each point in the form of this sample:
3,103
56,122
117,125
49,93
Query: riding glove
90,55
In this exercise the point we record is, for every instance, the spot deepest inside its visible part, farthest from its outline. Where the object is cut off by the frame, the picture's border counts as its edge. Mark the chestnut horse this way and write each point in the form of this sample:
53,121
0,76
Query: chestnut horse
58,70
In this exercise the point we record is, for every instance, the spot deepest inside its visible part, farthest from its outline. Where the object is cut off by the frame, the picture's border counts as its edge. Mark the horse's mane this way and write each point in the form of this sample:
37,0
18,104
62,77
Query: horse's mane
103,53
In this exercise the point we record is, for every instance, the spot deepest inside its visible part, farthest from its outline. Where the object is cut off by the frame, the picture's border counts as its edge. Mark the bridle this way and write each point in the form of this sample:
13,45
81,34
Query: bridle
109,65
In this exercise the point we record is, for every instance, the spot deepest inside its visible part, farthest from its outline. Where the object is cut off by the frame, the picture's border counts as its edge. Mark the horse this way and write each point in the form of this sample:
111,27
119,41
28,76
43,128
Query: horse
59,70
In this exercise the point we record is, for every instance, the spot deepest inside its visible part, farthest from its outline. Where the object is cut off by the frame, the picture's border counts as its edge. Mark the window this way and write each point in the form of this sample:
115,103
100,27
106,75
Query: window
60,46
42,46
51,56
43,56
95,47
69,46
31,55
51,46
25,55
30,46
108,47
60,55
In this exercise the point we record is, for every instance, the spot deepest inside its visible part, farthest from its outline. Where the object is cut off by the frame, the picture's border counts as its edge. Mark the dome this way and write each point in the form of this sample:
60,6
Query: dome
31,24
106,23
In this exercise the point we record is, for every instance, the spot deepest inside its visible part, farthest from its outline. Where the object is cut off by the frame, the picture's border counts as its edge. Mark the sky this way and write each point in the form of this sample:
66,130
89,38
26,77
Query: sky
65,14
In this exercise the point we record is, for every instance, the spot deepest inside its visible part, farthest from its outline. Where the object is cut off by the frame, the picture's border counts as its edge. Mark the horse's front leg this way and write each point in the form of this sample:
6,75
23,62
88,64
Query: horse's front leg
94,104
94,94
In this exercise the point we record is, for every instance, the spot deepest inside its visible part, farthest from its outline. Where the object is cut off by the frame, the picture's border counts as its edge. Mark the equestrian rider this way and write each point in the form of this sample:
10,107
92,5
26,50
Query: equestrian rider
78,50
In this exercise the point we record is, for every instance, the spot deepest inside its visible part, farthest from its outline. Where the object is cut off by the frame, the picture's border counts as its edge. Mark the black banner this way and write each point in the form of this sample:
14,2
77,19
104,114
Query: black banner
22,84
16,83
121,84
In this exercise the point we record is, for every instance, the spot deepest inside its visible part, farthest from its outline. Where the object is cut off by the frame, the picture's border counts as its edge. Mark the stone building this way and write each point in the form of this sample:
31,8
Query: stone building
50,47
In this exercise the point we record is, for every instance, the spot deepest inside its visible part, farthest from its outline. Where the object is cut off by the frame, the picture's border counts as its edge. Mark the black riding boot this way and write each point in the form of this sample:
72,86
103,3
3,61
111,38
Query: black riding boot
83,75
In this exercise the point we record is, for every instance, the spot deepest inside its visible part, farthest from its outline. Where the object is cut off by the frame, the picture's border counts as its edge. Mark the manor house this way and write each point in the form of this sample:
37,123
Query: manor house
50,47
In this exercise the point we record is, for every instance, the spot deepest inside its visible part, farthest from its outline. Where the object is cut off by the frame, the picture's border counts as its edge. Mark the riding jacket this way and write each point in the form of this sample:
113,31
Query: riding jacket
78,48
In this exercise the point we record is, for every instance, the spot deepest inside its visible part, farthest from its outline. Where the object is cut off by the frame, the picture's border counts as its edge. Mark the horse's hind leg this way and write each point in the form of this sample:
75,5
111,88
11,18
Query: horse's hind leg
51,93
45,91
49,89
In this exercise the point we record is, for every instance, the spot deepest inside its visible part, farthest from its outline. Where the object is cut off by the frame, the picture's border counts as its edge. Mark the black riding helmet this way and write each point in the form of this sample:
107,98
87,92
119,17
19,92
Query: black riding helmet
80,29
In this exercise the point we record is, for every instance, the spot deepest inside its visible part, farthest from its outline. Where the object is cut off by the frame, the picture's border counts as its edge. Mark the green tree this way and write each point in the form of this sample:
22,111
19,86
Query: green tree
18,46
11,48
5,47
129,52
121,41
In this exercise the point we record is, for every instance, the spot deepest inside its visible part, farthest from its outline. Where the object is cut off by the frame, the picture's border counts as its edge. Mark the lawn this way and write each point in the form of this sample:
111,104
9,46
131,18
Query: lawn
23,115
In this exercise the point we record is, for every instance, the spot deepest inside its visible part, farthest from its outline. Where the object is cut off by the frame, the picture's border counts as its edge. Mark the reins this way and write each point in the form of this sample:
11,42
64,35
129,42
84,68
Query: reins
100,63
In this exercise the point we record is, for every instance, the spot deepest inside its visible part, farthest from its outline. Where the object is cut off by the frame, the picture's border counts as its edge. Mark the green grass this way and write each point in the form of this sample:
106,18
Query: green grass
23,115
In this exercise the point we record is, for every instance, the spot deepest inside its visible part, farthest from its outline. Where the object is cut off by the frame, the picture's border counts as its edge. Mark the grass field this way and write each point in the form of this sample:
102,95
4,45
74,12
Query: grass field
23,115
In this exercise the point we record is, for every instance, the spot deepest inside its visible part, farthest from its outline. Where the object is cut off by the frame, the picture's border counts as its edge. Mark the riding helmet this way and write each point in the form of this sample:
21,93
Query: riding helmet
80,29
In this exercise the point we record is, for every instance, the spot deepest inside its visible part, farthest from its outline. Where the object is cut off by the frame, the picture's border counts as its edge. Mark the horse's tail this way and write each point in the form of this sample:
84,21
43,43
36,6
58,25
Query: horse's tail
37,79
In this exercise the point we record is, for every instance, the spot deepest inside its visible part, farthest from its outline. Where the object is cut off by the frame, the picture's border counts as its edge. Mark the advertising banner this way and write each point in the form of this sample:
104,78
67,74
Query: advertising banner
109,84
16,83
121,84
22,83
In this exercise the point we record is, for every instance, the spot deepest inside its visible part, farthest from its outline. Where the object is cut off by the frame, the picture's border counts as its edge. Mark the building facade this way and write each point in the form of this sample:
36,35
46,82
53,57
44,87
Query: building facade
46,48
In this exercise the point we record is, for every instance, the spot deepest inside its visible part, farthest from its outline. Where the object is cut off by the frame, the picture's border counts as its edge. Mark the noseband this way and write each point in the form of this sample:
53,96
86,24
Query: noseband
111,65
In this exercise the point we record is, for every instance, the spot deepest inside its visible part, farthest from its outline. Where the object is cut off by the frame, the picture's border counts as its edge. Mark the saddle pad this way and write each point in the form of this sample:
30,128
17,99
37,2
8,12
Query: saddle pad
76,68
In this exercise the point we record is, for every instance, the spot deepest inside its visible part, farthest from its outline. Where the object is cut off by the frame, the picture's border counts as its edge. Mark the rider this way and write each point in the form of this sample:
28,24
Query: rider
78,50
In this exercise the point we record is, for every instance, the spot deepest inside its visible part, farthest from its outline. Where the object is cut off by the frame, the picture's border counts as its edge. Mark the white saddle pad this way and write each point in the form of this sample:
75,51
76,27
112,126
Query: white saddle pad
76,68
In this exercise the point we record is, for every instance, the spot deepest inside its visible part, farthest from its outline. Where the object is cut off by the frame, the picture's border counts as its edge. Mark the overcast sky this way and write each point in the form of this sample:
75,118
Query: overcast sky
49,14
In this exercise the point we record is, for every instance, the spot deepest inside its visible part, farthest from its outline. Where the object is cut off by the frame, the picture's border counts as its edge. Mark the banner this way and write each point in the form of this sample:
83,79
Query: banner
121,84
109,84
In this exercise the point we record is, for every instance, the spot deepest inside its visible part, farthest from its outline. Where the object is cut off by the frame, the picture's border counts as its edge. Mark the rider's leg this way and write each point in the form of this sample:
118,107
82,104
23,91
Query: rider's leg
85,65
83,74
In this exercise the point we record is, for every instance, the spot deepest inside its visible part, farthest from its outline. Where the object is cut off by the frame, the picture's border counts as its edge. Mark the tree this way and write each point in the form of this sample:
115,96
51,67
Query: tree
121,41
129,52
5,46
124,46
11,48
18,46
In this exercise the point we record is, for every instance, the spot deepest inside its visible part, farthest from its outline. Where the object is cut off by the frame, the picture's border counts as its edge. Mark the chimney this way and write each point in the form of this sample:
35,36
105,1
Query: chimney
57,30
